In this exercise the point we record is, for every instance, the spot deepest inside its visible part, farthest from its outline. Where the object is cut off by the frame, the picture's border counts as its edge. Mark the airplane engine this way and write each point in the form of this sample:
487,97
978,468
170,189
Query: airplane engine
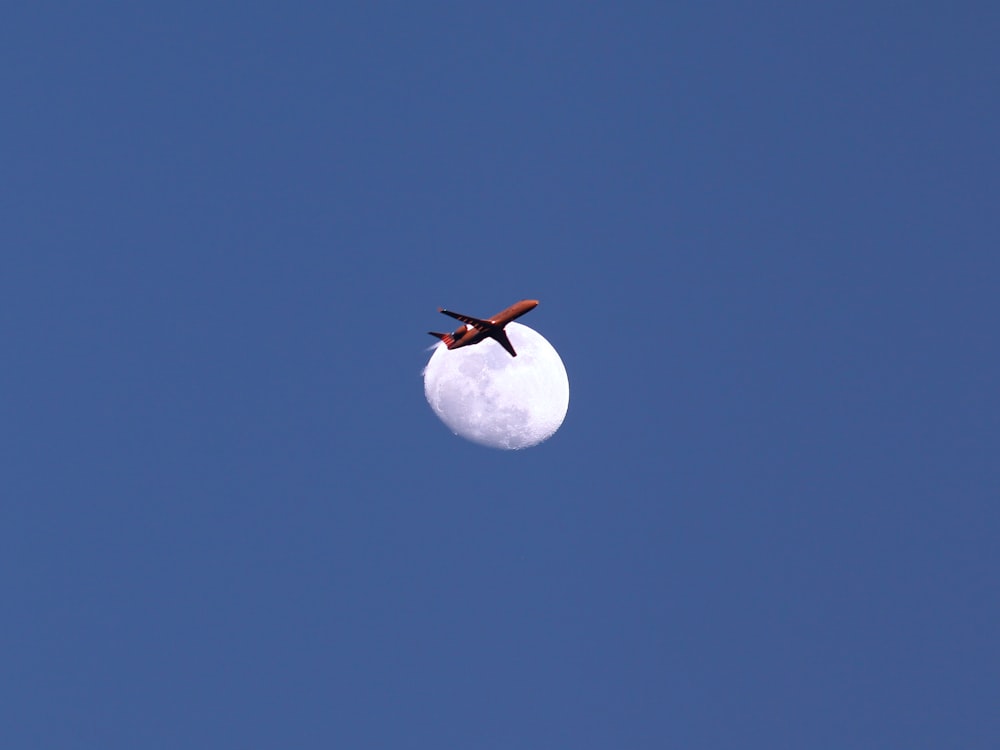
459,333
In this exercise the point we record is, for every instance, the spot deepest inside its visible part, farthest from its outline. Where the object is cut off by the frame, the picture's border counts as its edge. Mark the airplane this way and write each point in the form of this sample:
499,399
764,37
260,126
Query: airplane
475,330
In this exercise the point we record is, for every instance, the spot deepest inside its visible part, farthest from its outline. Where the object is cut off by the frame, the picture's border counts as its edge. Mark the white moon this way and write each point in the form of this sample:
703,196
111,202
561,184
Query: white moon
489,397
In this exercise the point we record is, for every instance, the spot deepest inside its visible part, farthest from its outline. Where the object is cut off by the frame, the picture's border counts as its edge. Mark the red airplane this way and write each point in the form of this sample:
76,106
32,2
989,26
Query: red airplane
475,330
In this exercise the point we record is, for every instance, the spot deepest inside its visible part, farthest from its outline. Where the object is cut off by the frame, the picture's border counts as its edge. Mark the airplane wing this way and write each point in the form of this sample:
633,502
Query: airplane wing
501,338
482,325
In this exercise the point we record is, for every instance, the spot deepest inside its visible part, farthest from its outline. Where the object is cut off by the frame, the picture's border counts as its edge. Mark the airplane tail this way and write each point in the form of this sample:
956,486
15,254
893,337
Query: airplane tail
447,338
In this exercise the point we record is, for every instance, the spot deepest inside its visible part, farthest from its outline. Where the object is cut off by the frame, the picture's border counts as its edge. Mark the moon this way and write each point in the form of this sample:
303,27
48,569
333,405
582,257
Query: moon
489,397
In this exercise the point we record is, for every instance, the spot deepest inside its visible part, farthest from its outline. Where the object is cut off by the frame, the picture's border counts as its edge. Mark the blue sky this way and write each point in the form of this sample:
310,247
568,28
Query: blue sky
764,238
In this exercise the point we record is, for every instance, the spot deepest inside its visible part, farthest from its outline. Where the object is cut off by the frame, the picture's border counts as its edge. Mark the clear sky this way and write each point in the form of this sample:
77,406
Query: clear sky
765,240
